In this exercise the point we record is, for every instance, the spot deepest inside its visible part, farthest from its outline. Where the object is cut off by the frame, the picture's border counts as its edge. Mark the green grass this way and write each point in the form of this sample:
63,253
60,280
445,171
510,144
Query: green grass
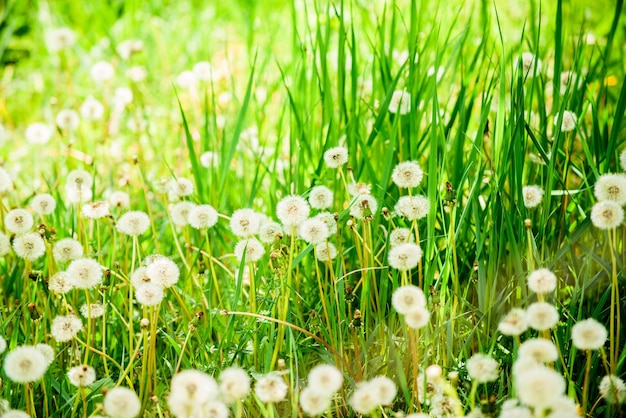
292,80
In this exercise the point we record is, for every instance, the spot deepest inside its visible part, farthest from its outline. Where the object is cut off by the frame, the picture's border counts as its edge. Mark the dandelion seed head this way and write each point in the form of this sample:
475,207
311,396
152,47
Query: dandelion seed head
234,384
3,344
364,206
613,389
29,246
407,298
96,210
400,102
81,376
588,334
407,174
65,327
6,183
133,223
269,231
539,350
202,216
215,409
532,196
364,399
568,121
271,388
292,210
400,236
528,62
67,249
357,189
252,249
25,364
405,256
209,159
539,386
76,195
325,378
102,71
417,318
607,214
514,323
38,133
137,73
163,272
67,119
119,199
59,39
611,187
5,244
320,197
313,231
43,204
336,157
79,179
18,221
84,273
482,368
121,402
149,294
91,109
60,283
179,187
47,351
244,222
325,251
413,207
128,47
542,316
91,311
542,281
314,402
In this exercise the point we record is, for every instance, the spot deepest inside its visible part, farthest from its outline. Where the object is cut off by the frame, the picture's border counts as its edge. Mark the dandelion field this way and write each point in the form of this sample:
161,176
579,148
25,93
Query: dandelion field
312,208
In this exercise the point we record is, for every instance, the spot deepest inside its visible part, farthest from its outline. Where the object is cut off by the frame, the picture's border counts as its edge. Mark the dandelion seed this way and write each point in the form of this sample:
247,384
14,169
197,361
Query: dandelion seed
67,249
269,231
364,206
121,402
149,294
413,207
163,272
611,187
43,204
568,121
542,316
336,157
407,174
321,197
102,71
408,298
29,246
607,214
202,216
47,351
96,210
325,378
405,256
482,368
539,386
84,273
542,281
81,376
59,39
252,248
292,210
18,221
25,364
244,222
529,62
91,311
68,119
613,389
588,334
234,384
6,183
270,388
5,245
314,402
400,102
325,251
133,223
38,133
532,196
65,327
514,323
60,283
539,350
314,231
417,318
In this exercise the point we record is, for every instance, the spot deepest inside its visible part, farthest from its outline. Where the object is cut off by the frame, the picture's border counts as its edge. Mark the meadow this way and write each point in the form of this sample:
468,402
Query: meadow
335,208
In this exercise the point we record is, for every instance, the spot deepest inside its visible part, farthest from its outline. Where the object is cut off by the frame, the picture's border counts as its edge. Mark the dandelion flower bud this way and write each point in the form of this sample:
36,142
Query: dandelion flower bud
271,388
607,214
252,248
244,222
514,323
67,119
321,197
407,174
96,210
121,402
336,157
413,207
542,316
325,251
60,283
29,246
84,273
539,386
400,102
400,236
482,368
38,133
43,204
542,281
292,210
532,196
539,349
234,384
613,389
325,378
314,231
18,221
163,272
588,334
314,402
25,364
405,256
65,327
269,231
568,121
102,71
202,216
611,187
133,223
67,249
82,376
408,298
417,318
364,206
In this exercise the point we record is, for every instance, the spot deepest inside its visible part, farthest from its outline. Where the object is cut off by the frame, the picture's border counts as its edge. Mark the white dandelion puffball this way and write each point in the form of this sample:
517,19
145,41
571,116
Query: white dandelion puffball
67,119
79,180
320,197
528,62
84,273
163,272
252,249
60,283
67,249
386,389
405,256
179,187
92,310
245,222
400,236
47,352
413,207
568,121
611,187
133,223
314,231
271,388
539,350
38,133
364,399
149,294
65,327
3,344
336,157
613,389
119,199
532,196
209,159
60,38
363,206
25,364
325,251
234,384
179,212
81,376
542,316
314,402
102,71
292,210
43,204
189,389
407,174
329,219
588,334
325,378
542,281
514,323
482,368
407,298
400,102
91,109
202,216
18,221
96,210
269,231
607,214
539,386
417,318
121,402
29,246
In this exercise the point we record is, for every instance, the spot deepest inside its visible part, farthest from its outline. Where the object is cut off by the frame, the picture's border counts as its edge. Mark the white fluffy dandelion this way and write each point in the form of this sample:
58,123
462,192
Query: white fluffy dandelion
325,251
542,281
29,246
92,310
133,223
400,236
417,318
163,272
25,364
532,196
84,273
611,187
413,207
121,402
67,249
607,214
91,109
405,256
336,157
613,389
18,221
269,231
482,368
407,174
407,298
292,210
149,294
539,386
325,378
588,334
400,102
364,399
65,327
514,322
528,62
271,388
320,197
81,376
102,71
314,402
43,204
363,206
38,133
119,199
60,283
539,350
542,316
6,183
189,390
5,244
202,216
568,121
234,384
252,249
313,231
244,222
67,119
96,210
